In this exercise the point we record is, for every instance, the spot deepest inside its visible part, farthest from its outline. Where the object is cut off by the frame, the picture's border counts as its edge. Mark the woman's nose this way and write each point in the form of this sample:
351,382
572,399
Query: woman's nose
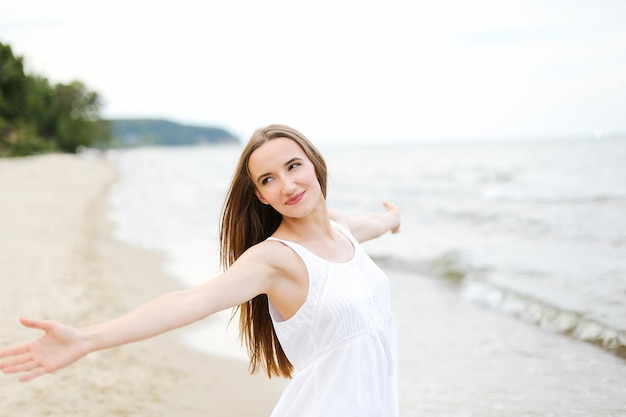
289,187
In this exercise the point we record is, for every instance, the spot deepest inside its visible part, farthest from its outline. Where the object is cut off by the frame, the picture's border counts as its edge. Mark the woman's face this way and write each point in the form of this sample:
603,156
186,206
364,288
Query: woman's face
284,177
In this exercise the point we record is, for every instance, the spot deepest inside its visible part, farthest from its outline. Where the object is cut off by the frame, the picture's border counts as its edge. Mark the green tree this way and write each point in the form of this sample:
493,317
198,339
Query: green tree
17,135
13,85
38,117
75,111
39,100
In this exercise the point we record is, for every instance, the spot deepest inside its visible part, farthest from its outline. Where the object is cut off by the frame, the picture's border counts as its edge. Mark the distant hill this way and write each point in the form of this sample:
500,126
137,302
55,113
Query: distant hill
158,132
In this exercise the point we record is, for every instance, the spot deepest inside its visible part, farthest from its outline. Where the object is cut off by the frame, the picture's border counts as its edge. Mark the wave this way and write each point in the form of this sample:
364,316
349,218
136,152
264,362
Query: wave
475,286
544,314
549,196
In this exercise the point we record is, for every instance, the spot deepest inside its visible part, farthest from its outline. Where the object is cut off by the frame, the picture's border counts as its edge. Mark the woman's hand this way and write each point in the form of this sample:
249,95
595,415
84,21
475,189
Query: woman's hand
60,346
393,217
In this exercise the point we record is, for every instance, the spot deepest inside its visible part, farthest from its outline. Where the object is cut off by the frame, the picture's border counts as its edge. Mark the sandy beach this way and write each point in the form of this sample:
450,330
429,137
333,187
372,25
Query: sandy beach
58,261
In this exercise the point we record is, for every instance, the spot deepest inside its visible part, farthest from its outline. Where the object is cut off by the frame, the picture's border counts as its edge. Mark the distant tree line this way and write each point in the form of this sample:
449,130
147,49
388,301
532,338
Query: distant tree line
158,132
37,117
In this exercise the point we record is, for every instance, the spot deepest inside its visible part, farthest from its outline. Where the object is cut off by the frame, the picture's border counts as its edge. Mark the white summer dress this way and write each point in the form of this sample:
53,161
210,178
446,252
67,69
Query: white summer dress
342,340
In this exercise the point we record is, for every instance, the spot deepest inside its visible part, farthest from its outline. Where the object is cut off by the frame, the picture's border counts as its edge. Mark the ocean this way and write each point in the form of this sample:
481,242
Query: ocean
508,275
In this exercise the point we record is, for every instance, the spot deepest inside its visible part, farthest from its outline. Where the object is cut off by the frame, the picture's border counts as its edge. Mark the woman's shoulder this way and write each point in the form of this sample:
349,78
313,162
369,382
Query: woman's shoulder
275,253
267,249
286,266
339,218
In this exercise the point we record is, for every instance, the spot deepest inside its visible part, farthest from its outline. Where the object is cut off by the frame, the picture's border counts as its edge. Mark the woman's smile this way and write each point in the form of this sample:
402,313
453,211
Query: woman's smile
295,199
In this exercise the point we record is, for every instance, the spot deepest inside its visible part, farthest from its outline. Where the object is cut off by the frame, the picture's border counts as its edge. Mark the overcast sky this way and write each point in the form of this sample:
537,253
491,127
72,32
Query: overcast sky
340,70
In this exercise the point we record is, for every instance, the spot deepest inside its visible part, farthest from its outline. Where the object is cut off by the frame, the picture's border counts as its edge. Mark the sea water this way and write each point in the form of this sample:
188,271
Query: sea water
529,232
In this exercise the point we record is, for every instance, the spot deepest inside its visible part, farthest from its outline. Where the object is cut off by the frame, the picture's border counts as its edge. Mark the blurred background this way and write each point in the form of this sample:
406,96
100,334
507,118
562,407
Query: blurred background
349,71
498,127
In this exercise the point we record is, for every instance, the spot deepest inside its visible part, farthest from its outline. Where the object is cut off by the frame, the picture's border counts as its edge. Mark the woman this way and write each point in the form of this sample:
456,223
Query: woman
310,298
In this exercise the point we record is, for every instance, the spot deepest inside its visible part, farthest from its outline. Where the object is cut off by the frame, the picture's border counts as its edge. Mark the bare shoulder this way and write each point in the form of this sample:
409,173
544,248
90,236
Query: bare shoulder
264,268
339,217
288,286
276,255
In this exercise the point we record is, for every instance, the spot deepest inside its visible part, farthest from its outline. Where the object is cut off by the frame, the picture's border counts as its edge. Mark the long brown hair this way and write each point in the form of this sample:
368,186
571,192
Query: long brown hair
245,222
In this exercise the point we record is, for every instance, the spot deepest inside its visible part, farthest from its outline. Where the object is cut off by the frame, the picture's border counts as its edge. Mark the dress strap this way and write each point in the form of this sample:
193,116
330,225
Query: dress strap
345,231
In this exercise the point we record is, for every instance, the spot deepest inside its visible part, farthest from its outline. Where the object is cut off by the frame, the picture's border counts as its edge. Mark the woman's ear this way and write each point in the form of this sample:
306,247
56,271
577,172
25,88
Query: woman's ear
261,199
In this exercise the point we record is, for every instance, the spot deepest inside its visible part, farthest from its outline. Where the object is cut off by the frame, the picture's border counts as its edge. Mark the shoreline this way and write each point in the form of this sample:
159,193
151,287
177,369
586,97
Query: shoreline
59,260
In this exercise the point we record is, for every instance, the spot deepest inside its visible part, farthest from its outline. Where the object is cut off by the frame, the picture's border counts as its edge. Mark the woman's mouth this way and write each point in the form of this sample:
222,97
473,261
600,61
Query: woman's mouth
295,199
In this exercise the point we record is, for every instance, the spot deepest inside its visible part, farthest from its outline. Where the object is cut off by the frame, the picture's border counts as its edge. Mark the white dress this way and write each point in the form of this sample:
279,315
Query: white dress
342,341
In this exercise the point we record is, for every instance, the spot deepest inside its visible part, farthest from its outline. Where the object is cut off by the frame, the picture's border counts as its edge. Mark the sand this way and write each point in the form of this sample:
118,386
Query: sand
58,260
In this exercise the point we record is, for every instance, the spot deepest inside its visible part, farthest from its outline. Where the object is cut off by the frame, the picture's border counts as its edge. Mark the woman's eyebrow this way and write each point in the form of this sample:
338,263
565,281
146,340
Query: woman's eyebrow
291,161
261,176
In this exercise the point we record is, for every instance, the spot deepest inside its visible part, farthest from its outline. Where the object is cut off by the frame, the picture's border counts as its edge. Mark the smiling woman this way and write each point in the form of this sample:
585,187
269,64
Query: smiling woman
314,306
284,184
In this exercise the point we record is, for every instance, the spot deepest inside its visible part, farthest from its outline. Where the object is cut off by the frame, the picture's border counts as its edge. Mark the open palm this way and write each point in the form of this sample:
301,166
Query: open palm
60,346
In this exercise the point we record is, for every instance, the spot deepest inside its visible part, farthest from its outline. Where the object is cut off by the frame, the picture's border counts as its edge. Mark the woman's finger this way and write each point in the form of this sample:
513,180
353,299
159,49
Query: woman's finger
23,367
34,324
39,371
14,361
390,206
13,351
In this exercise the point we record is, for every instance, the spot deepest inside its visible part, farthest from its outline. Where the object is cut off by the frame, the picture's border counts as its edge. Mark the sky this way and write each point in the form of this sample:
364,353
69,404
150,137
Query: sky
341,71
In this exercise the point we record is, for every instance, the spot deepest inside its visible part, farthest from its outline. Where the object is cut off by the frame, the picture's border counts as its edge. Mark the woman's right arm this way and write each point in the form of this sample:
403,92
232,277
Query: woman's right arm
62,345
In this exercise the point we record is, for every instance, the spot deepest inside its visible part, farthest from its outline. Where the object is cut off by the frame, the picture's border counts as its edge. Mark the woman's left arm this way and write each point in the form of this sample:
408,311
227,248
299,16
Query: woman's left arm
371,225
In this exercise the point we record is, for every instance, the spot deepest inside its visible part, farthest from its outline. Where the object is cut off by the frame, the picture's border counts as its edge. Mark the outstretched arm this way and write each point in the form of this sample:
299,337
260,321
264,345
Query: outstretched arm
371,225
61,345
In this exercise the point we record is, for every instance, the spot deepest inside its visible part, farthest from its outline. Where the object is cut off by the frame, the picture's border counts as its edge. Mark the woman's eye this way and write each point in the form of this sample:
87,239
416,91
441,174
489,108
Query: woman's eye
294,165
265,180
